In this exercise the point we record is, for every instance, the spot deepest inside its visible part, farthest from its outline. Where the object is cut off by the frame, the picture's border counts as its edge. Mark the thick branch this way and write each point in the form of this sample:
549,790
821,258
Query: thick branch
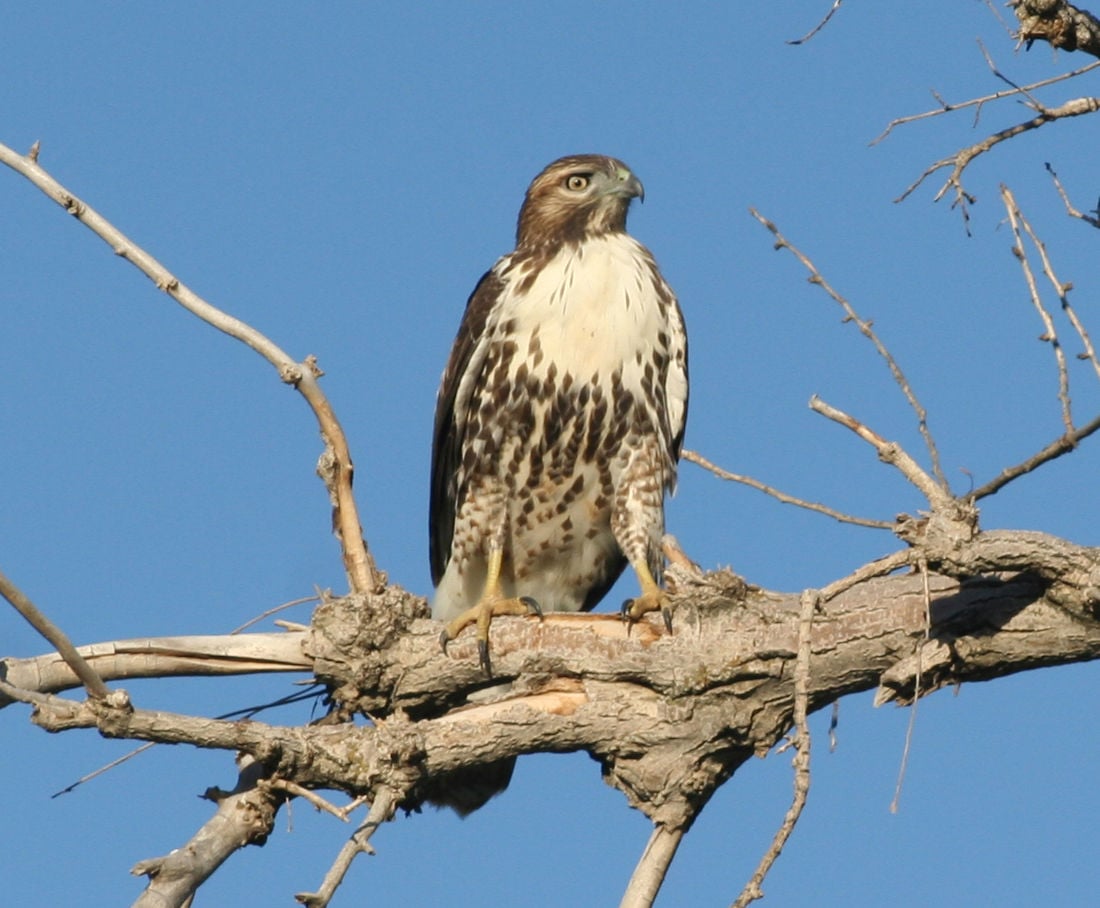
245,816
669,717
161,657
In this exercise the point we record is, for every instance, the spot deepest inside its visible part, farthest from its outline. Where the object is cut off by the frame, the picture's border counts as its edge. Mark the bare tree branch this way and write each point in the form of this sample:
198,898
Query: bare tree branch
809,603
1050,334
1062,289
582,683
922,566
245,816
295,790
820,25
1061,445
56,637
889,452
161,657
959,161
649,874
696,458
336,465
1092,218
949,107
867,330
381,811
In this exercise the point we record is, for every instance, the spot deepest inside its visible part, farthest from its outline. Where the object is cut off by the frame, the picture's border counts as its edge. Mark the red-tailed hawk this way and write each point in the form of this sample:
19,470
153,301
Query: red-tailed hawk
560,415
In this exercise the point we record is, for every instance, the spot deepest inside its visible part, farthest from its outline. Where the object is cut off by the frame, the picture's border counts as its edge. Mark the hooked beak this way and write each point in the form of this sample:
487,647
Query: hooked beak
628,185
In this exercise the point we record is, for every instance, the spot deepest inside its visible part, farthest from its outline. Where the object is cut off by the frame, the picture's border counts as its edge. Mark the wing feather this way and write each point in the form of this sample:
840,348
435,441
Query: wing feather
466,360
676,381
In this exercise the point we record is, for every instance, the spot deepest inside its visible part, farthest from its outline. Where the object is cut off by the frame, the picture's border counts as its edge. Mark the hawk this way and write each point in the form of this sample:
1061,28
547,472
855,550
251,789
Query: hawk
560,415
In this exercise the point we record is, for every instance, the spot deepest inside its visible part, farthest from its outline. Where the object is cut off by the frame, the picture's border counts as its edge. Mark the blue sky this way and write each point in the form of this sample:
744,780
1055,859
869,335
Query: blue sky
339,176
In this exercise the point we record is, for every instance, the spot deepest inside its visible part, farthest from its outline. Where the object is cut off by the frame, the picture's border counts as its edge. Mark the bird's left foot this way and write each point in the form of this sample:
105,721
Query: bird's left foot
655,600
482,615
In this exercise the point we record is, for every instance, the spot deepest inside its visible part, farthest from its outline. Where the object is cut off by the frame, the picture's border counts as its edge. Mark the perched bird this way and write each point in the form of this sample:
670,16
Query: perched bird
560,415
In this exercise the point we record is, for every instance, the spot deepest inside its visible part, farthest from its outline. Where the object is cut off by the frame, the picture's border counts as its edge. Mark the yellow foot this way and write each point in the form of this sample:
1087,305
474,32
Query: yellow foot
481,615
656,600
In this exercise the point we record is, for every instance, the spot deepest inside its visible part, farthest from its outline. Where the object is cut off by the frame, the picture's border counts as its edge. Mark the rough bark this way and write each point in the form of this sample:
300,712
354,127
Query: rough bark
1059,23
668,717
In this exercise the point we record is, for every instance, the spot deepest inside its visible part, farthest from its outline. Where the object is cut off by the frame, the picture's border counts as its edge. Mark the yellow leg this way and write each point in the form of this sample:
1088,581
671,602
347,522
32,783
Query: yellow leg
652,599
491,603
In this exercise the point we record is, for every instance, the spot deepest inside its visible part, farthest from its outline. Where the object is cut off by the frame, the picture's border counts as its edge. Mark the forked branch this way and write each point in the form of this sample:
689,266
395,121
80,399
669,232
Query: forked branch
1072,434
381,811
960,160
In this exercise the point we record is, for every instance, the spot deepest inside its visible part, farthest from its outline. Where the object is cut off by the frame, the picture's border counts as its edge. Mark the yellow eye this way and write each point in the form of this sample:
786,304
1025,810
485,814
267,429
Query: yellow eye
577,183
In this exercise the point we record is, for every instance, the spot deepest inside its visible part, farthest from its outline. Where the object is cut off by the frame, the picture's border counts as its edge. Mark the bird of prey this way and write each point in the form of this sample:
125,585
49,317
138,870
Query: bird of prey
560,415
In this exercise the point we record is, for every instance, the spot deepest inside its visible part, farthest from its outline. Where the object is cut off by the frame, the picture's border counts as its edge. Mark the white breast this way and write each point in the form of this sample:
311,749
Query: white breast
592,306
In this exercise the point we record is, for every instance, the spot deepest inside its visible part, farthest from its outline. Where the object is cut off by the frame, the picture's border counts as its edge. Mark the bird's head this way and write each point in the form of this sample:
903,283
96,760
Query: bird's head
577,197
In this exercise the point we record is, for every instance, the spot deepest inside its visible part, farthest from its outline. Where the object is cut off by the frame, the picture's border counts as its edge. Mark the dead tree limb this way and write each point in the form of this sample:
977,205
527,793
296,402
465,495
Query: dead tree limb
335,466
245,816
161,657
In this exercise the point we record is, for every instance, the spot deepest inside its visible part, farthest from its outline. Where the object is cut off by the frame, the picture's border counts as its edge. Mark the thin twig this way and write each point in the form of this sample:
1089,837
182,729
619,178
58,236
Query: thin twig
652,867
959,161
295,790
1061,445
1050,334
106,767
922,564
699,459
381,811
1093,217
1063,289
56,638
1024,90
273,611
866,329
363,575
753,891
946,107
820,25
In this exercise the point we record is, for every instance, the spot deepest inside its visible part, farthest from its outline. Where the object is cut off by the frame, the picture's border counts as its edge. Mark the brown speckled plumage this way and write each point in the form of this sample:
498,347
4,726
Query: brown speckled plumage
561,411
559,421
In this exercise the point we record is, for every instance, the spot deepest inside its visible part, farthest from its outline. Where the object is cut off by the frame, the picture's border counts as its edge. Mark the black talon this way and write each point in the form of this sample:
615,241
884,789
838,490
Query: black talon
666,613
624,613
532,605
483,656
444,640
